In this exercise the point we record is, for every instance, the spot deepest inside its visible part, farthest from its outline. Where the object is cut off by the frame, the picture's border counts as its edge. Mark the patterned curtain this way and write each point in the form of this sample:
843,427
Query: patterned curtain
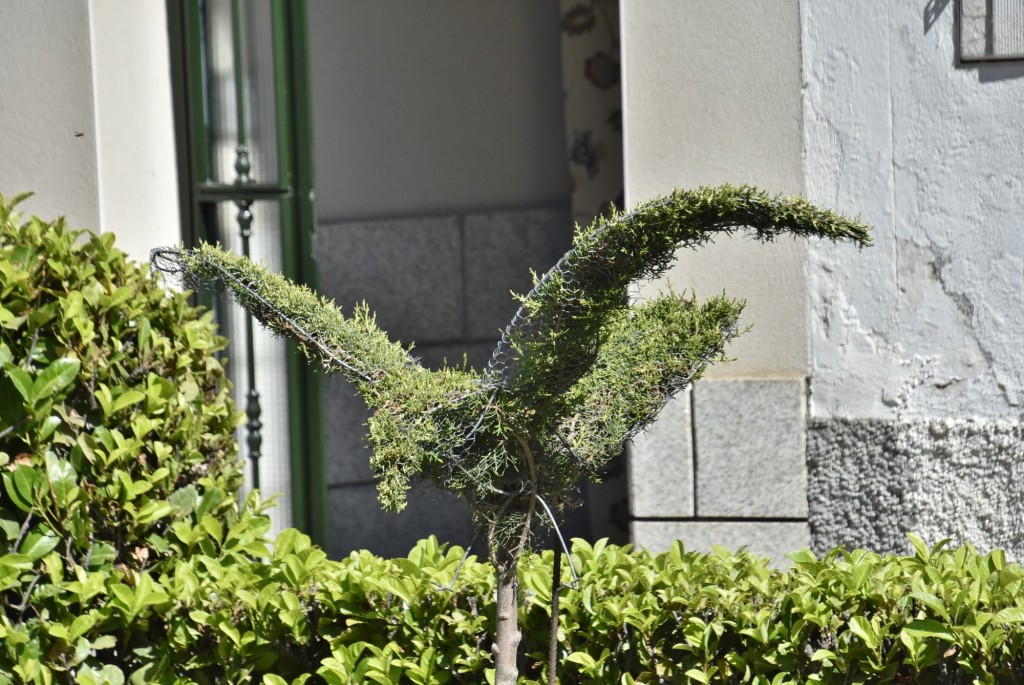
593,104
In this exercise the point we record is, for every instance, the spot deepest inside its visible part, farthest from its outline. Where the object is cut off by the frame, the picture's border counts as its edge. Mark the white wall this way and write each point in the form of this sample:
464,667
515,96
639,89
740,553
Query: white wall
712,95
137,160
431,107
928,323
917,375
47,126
87,119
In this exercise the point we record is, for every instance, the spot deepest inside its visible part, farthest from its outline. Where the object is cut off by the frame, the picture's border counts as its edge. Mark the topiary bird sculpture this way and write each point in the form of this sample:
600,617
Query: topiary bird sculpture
578,372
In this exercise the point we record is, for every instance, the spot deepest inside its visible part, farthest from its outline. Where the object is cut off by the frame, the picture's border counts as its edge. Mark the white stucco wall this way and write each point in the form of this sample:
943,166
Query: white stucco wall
929,322
917,368
137,160
47,127
711,95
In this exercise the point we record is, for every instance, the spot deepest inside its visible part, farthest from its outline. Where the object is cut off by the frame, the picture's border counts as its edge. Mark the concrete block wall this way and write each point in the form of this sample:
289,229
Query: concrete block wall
724,465
443,282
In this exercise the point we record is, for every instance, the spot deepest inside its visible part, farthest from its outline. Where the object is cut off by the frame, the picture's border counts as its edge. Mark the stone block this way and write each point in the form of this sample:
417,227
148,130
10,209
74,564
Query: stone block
477,354
357,522
408,270
749,448
870,481
768,539
345,417
501,248
661,465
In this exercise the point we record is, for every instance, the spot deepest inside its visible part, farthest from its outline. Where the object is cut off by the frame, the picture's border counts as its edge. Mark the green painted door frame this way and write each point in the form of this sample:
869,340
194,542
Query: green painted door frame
291,191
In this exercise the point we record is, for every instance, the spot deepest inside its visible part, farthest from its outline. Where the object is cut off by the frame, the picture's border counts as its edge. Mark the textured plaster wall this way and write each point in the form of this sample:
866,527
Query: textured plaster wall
917,371
927,323
873,480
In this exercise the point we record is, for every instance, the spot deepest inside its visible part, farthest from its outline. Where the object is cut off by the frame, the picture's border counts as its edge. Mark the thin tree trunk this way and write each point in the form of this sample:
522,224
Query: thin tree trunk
506,634
556,584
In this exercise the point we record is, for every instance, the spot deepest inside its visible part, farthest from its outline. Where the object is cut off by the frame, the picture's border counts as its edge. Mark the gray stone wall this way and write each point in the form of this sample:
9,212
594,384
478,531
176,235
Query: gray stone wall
724,465
443,282
871,481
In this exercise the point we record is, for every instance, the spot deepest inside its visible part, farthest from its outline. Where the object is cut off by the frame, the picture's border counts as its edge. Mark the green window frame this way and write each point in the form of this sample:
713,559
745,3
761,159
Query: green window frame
275,188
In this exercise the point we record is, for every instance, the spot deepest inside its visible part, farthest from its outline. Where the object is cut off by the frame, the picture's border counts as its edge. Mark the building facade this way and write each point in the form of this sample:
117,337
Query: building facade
878,391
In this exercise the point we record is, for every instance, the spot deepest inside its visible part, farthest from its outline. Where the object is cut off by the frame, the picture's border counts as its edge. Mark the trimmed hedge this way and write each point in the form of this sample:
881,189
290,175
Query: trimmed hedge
116,440
939,616
679,617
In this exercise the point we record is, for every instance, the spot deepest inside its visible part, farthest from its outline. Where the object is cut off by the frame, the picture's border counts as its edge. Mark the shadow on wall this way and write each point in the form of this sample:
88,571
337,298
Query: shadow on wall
997,71
932,11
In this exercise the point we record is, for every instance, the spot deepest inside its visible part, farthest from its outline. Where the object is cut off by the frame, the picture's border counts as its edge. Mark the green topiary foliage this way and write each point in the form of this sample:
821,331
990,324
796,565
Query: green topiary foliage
578,371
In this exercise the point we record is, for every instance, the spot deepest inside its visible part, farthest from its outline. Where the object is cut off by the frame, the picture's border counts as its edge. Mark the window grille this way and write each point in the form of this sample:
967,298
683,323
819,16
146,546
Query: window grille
241,91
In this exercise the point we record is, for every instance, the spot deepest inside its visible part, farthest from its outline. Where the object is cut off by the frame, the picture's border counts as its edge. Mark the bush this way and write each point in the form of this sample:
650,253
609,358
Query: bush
940,616
116,429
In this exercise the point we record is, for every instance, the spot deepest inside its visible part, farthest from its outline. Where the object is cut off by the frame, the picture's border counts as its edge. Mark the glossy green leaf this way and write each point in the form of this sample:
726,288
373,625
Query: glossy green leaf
20,486
47,427
22,382
928,628
55,377
272,679
107,675
154,511
932,602
38,544
125,400
18,562
9,526
1009,615
184,500
62,476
